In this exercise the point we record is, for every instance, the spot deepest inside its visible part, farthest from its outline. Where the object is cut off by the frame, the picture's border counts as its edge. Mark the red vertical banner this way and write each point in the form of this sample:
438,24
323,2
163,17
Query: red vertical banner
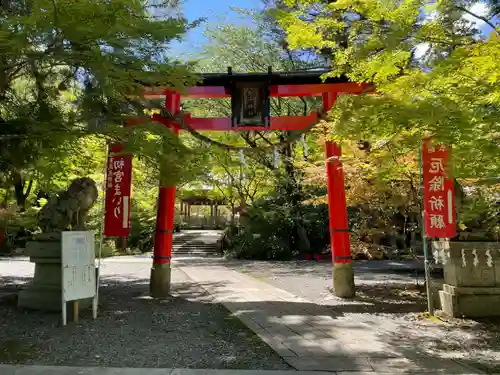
439,191
118,190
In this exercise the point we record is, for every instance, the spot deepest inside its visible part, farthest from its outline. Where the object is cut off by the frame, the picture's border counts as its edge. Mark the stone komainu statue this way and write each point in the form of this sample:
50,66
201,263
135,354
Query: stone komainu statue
68,210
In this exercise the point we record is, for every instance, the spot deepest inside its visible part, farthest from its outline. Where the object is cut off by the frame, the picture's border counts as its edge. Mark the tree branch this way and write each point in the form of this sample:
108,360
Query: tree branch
484,19
264,138
227,147
28,190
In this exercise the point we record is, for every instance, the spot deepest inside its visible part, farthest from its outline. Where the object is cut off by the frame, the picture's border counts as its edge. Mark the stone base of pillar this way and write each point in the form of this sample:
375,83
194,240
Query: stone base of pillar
44,292
470,302
159,285
436,287
343,280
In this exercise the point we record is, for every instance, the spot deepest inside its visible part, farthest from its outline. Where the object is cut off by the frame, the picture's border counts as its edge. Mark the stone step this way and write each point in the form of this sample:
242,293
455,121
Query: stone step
178,251
194,249
177,255
197,249
194,246
194,243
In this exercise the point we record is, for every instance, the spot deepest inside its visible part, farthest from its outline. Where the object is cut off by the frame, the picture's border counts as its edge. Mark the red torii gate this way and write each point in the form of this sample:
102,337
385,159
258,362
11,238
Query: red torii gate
262,85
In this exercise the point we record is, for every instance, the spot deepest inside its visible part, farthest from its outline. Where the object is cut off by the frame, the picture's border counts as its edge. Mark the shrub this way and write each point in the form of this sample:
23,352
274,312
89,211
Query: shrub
17,227
270,231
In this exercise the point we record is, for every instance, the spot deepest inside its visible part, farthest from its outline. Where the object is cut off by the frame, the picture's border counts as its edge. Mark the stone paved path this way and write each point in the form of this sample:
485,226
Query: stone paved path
310,336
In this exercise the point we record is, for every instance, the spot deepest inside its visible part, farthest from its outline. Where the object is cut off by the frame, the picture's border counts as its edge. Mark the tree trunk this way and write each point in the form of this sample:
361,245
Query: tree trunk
293,195
21,190
233,218
5,198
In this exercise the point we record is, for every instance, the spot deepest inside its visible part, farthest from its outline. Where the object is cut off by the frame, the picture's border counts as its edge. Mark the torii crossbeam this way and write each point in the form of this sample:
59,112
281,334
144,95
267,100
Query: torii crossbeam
250,94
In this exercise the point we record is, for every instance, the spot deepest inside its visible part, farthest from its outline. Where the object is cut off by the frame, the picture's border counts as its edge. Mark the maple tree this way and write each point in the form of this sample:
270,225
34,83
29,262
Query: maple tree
435,69
70,69
450,91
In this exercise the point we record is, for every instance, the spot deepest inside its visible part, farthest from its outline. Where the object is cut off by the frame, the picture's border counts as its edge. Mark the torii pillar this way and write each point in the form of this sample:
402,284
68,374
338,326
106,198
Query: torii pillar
161,271
342,273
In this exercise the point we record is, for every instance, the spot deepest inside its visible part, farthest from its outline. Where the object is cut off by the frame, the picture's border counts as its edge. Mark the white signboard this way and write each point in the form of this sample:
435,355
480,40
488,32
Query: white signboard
78,269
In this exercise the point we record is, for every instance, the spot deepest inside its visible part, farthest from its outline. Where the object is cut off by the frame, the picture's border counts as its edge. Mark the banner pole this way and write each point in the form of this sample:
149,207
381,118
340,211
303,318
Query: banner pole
428,287
104,188
101,234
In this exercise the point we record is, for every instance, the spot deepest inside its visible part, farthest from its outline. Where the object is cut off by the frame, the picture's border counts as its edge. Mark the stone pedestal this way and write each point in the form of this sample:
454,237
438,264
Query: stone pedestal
471,278
159,285
44,292
343,280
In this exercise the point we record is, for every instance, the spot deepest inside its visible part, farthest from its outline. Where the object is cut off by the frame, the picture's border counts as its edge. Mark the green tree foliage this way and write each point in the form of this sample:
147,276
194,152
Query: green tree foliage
71,68
239,182
254,49
435,74
71,75
435,69
291,217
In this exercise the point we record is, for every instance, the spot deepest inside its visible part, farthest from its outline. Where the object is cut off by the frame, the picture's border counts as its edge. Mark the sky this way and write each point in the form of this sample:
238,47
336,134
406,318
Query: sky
219,11
480,9
213,11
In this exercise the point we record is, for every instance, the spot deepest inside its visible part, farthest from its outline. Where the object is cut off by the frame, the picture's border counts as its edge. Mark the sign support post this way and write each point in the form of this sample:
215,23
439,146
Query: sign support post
101,234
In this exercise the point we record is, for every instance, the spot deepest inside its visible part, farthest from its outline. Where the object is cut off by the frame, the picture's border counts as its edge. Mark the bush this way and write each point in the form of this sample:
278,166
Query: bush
108,248
143,221
270,231
17,227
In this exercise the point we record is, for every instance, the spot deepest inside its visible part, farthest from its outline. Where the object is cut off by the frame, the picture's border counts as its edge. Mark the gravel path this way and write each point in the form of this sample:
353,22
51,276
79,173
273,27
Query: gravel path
133,330
189,331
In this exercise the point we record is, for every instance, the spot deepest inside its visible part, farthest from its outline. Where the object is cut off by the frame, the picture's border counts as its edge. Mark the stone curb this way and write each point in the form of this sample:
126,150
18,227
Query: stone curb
62,370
